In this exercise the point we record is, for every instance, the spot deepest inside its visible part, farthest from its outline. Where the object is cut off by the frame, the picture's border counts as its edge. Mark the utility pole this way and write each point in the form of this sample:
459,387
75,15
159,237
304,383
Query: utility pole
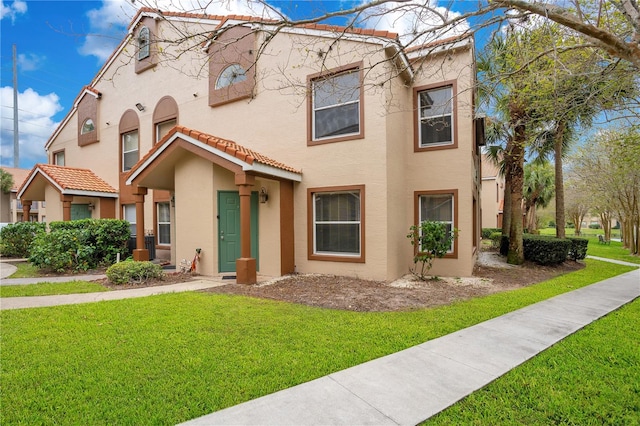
16,139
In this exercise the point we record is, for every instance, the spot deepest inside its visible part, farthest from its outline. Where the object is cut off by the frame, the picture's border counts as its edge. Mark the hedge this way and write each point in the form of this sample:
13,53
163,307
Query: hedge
548,250
16,238
133,272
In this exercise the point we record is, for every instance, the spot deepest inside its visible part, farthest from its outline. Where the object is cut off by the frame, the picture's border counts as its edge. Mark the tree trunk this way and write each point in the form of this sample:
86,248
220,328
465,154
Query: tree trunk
506,205
559,180
514,156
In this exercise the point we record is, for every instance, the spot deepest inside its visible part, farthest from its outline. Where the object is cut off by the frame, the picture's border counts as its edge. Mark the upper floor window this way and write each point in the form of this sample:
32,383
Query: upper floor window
87,126
336,106
129,150
231,75
163,128
58,158
143,43
337,231
435,116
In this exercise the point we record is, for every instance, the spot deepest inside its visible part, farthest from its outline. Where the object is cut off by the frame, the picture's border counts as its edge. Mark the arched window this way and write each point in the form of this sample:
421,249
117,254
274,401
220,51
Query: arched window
143,43
87,127
230,75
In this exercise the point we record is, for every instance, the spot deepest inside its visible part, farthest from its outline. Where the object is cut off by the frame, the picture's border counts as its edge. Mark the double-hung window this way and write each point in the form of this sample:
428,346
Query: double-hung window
435,117
438,207
163,128
129,150
129,213
336,106
164,224
144,41
337,223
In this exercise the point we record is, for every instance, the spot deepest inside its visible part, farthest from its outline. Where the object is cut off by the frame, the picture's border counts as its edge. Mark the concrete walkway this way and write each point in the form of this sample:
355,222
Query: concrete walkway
408,387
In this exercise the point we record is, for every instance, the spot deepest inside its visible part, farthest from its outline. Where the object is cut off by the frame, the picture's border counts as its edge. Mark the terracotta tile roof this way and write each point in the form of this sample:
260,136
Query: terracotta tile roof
240,152
439,42
71,178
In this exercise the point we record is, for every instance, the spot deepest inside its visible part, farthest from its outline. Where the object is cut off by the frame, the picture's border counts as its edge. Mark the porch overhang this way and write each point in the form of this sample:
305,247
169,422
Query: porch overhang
155,169
67,181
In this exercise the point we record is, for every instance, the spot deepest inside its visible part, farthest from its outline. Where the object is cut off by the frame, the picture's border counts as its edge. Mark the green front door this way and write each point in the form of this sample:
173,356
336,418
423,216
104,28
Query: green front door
80,211
229,229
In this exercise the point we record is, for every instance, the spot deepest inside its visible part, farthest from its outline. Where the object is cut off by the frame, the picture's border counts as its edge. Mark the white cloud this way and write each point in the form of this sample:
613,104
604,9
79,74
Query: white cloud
108,24
12,11
35,125
416,21
30,62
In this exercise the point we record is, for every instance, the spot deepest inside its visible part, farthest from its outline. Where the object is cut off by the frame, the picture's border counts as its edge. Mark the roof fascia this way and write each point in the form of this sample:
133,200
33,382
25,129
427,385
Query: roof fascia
255,167
432,49
32,176
84,193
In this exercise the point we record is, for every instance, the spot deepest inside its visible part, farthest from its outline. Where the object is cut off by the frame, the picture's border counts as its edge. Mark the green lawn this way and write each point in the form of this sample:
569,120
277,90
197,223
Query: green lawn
165,359
614,250
590,378
49,288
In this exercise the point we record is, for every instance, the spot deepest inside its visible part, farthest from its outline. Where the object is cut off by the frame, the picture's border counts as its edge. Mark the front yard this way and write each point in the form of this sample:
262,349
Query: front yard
165,359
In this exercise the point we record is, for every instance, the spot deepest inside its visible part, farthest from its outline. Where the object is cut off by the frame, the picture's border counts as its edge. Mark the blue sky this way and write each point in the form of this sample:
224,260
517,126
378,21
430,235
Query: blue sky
60,47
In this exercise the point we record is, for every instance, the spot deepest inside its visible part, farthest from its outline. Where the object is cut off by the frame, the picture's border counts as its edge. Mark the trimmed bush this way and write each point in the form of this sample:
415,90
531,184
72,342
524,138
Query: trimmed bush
578,250
16,238
496,238
487,232
546,250
132,272
63,250
108,237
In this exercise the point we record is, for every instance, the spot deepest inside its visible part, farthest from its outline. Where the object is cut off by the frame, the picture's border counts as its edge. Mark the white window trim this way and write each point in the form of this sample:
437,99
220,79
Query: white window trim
446,222
337,222
421,144
314,109
131,150
163,223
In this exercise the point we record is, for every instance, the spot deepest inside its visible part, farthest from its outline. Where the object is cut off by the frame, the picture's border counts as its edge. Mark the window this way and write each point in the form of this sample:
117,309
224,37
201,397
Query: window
336,110
58,158
129,213
435,125
163,128
129,150
231,75
143,43
337,224
438,207
87,127
164,224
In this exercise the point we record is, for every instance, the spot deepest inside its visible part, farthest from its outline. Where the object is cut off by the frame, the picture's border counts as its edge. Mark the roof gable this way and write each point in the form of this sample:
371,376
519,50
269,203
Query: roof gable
69,181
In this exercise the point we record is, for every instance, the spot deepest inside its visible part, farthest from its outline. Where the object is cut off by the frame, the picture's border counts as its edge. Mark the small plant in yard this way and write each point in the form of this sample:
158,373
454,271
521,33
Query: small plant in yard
132,272
430,240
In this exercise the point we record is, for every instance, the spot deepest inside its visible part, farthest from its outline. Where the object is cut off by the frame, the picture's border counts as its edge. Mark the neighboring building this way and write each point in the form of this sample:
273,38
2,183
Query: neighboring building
492,194
11,209
241,163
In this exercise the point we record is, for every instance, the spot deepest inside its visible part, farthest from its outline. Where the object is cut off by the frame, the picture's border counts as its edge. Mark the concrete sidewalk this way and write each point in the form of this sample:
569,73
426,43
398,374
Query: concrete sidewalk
73,299
408,387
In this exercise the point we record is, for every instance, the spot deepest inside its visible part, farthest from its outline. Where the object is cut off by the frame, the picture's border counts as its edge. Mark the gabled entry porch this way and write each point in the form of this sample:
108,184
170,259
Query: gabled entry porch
197,168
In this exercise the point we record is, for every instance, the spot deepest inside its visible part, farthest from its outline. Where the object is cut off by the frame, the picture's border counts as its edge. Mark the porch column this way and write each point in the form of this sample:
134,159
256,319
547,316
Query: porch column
66,207
246,265
140,253
26,210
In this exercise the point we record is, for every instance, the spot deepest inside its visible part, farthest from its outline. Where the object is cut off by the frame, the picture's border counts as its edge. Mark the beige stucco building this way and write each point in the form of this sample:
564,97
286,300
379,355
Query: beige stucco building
312,153
492,194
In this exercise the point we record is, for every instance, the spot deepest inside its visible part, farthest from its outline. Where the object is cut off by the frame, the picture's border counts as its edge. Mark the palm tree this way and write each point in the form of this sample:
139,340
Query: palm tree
538,190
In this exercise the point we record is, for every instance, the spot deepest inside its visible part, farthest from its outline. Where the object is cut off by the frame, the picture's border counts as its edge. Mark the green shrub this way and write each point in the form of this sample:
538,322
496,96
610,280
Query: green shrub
496,238
486,232
63,250
546,250
108,236
594,226
133,272
16,238
578,250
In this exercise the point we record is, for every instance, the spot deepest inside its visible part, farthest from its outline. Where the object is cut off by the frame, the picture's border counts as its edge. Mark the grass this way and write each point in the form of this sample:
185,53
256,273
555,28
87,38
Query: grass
590,378
614,250
25,270
49,288
168,358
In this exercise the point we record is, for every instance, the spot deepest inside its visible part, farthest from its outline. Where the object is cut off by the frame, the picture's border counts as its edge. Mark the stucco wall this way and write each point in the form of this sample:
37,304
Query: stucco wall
274,123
